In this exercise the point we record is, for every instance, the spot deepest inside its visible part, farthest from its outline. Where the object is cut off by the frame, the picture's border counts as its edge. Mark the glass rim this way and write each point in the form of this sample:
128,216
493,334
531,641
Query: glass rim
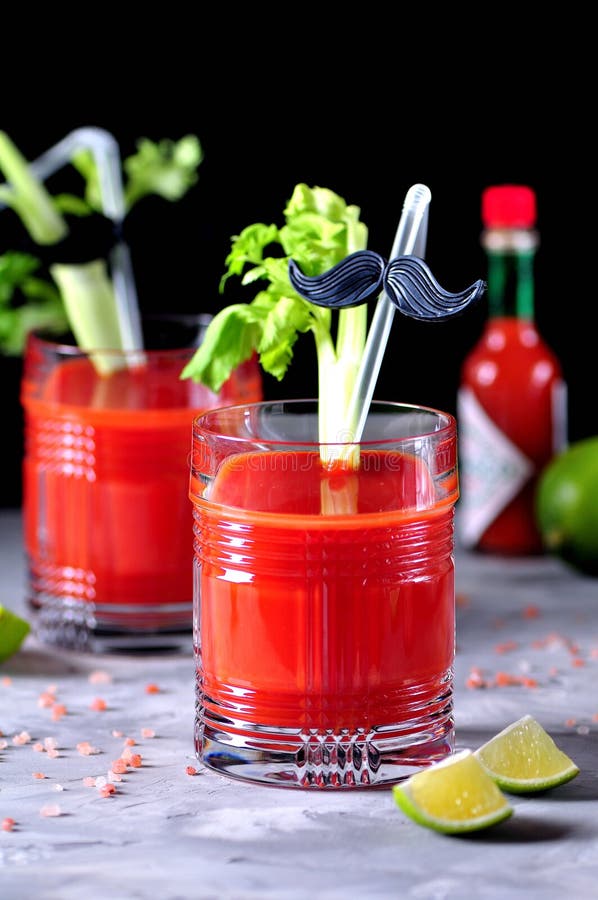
58,345
200,423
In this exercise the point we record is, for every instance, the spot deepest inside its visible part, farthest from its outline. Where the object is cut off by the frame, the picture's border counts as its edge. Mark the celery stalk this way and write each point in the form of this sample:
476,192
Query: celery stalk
28,196
91,308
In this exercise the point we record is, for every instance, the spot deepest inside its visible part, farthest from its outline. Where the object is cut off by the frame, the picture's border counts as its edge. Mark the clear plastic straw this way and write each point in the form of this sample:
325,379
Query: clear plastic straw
106,154
410,239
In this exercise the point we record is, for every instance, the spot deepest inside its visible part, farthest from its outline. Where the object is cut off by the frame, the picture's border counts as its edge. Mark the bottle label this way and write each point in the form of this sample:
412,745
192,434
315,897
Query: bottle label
492,470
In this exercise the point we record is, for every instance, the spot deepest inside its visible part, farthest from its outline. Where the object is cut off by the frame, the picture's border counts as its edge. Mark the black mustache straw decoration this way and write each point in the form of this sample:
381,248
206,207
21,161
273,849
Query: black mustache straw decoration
406,280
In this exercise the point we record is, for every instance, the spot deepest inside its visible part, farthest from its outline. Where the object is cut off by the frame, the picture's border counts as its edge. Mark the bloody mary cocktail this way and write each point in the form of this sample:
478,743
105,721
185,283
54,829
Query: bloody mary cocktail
106,517
324,597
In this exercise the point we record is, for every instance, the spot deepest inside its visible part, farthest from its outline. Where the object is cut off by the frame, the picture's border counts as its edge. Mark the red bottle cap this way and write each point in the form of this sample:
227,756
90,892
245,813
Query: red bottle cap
509,206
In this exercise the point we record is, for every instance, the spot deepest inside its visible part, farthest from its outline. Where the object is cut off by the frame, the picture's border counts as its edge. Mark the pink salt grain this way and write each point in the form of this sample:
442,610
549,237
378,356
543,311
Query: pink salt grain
38,747
3,744
49,810
119,766
506,646
98,704
86,749
8,824
46,700
152,689
22,738
38,775
107,790
88,781
531,612
100,677
191,770
148,733
58,711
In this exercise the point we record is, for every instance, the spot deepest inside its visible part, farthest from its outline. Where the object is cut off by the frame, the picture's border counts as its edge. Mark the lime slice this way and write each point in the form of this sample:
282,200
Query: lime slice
523,758
13,631
453,796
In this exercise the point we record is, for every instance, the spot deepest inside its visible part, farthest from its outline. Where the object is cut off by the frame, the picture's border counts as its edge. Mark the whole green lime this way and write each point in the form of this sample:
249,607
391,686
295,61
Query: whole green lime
567,505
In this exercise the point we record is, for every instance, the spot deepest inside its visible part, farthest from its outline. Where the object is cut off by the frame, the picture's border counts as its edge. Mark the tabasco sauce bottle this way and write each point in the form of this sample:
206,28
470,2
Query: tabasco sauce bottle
512,402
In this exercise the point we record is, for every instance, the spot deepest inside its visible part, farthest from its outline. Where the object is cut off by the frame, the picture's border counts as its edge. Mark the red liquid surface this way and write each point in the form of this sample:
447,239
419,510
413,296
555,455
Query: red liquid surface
514,374
106,506
316,621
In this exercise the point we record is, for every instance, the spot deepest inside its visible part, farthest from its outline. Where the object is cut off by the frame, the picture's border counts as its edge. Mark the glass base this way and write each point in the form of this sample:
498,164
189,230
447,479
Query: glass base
113,628
326,760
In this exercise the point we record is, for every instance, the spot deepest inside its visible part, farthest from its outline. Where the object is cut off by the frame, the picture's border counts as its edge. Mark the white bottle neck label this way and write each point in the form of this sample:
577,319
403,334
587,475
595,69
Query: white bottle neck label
492,469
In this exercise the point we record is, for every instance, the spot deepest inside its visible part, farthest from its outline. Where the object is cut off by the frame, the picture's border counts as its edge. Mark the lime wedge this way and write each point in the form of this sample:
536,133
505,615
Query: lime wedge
523,758
453,796
13,631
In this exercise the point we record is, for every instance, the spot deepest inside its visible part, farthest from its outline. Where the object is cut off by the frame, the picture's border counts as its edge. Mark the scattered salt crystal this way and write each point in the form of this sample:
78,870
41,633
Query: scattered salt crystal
98,704
50,809
3,744
101,781
88,781
130,742
38,775
38,747
100,677
117,733
583,729
86,749
191,770
50,743
58,787
53,754
7,824
22,738
531,612
119,766
114,777
152,689
148,733
46,700
506,646
107,790
135,760
58,711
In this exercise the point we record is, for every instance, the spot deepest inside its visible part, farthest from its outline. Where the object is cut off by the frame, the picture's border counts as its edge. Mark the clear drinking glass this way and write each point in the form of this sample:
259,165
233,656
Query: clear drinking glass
105,486
324,598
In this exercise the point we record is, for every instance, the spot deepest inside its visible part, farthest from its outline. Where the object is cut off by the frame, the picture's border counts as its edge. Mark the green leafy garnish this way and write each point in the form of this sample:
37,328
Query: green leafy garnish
27,302
167,168
320,230
73,295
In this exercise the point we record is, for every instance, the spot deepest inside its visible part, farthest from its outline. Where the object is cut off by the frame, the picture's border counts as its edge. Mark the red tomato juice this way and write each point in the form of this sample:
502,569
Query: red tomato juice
311,621
105,481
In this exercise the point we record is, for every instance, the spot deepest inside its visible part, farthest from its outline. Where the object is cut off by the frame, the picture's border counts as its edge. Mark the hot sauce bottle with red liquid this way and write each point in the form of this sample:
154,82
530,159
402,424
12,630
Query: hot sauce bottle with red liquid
512,401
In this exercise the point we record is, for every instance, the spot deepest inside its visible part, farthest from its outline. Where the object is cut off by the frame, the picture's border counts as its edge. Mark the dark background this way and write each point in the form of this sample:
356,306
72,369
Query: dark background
370,148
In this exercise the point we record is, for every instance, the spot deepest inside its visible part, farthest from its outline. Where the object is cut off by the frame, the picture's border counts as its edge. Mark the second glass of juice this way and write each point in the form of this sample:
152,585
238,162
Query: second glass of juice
105,477
324,597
